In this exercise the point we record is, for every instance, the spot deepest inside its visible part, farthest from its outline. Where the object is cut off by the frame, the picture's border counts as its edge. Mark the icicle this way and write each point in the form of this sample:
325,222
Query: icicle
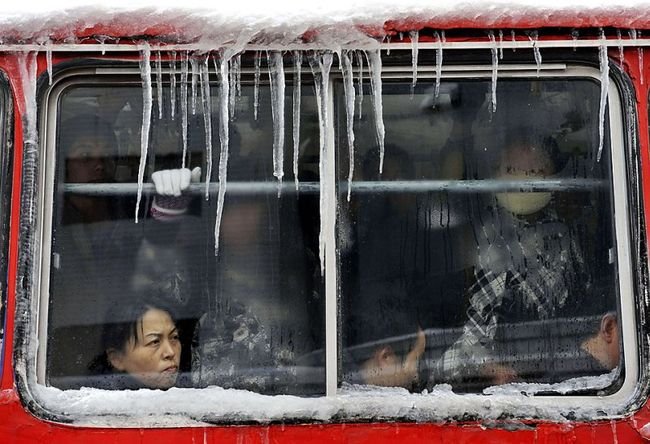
276,79
440,39
256,86
414,62
172,87
360,90
233,78
147,99
195,78
48,59
574,35
102,43
207,122
500,44
297,78
320,66
619,38
223,137
387,38
159,87
184,113
348,88
604,89
634,35
533,36
495,69
374,58
238,74
514,40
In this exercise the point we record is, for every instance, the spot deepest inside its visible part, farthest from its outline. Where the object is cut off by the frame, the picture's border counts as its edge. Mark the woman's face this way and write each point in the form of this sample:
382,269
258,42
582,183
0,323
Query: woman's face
153,356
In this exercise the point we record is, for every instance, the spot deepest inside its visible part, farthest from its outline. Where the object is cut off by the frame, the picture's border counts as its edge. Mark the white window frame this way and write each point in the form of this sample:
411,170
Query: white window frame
612,405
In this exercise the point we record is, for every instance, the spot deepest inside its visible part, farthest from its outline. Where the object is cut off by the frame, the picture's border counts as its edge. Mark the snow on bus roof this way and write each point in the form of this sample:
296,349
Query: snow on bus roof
39,21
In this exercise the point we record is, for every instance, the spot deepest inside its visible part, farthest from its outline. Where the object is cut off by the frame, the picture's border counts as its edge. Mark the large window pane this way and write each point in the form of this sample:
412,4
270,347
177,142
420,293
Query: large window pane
492,232
249,317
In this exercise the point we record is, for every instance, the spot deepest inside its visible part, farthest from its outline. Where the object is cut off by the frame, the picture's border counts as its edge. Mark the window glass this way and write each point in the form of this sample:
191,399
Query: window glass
150,304
484,253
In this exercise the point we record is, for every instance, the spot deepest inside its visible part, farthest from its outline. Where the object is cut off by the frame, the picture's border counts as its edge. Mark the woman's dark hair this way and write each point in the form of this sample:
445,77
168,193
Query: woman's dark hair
123,322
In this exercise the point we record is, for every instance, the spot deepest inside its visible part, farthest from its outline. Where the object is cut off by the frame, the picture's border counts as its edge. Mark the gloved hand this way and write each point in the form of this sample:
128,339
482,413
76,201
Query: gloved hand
169,203
174,182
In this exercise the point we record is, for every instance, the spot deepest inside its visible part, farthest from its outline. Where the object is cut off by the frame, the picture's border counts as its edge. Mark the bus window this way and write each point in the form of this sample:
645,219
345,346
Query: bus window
484,252
247,318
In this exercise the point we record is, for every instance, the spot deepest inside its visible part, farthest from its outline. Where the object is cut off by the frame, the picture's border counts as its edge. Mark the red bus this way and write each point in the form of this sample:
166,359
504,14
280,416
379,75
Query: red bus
413,225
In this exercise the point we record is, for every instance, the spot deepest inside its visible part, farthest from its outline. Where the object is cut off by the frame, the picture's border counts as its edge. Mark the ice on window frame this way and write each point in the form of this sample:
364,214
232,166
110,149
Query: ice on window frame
349,93
184,111
604,91
277,86
147,99
297,88
320,66
204,78
374,59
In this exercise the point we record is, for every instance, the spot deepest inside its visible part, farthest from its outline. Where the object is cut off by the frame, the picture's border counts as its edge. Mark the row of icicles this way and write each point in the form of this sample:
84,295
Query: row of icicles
354,66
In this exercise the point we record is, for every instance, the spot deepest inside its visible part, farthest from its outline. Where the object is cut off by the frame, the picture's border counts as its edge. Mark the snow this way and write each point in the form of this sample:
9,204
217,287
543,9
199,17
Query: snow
284,22
178,407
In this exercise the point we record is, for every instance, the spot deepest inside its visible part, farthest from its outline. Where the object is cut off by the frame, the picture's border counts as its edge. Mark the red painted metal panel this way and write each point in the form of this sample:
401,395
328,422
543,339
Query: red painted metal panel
18,425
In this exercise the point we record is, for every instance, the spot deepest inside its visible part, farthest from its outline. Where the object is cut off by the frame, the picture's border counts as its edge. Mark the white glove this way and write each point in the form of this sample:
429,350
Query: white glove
174,182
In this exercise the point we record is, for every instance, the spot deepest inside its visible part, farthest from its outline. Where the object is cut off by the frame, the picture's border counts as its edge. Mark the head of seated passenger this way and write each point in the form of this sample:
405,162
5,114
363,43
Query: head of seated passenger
88,144
141,347
525,160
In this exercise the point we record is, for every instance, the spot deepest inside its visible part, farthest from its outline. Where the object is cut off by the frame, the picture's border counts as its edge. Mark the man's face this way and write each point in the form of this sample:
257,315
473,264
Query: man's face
153,357
87,162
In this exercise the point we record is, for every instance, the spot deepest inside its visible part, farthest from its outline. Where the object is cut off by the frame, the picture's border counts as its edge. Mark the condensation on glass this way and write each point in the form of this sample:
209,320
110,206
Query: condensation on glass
250,317
489,236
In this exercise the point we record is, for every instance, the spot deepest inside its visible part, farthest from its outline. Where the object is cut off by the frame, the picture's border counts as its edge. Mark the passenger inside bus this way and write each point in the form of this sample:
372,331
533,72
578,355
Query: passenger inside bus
529,267
142,347
97,241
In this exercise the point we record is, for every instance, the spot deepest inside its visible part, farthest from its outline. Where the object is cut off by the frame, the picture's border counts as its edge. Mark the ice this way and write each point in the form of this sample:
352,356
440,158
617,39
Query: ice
500,44
224,125
640,54
184,111
234,76
495,69
256,85
147,99
533,36
348,88
440,39
297,79
414,60
374,58
172,85
159,85
619,39
320,66
195,77
48,61
604,90
204,76
359,57
513,37
187,407
276,78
